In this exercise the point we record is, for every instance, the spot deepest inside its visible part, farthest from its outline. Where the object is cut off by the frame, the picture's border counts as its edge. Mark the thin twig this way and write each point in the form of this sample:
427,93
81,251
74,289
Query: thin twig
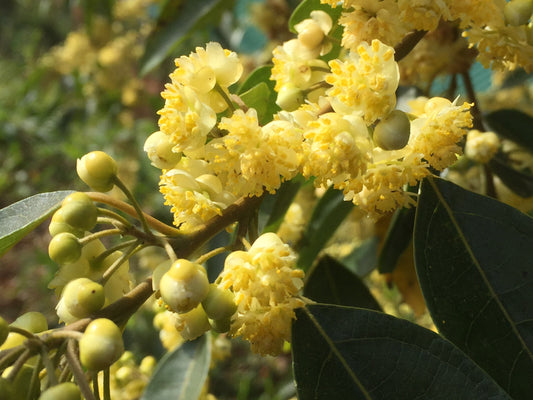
77,371
407,44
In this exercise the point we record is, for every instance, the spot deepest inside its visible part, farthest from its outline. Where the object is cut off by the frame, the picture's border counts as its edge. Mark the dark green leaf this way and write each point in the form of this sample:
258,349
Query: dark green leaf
20,218
397,239
170,32
180,375
258,75
256,97
519,182
474,263
277,205
329,212
514,125
363,259
348,353
331,282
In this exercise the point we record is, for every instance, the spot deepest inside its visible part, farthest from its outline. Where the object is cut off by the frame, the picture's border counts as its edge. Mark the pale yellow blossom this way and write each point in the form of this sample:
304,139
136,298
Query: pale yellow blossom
481,146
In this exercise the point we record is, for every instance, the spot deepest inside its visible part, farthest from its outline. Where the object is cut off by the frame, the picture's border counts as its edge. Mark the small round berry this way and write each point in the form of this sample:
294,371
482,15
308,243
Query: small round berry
219,303
221,325
64,248
4,330
62,391
79,211
393,131
159,150
101,344
98,170
518,12
83,297
184,285
58,225
192,324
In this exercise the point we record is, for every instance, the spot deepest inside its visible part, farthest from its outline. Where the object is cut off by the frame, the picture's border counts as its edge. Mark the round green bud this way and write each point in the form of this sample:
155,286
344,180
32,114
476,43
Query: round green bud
62,391
518,12
83,297
64,248
6,389
158,147
32,321
98,170
58,225
219,303
393,131
101,344
79,211
4,330
290,97
221,325
193,324
184,286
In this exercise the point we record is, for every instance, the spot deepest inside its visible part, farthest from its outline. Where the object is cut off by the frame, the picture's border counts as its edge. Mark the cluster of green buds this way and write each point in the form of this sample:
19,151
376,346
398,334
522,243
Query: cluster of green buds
200,306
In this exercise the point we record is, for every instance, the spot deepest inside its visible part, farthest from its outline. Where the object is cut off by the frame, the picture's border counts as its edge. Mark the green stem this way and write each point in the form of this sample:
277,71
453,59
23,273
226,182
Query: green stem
21,331
103,255
96,385
49,366
26,354
104,212
203,258
128,209
224,95
34,381
134,202
107,386
8,356
118,262
100,234
77,371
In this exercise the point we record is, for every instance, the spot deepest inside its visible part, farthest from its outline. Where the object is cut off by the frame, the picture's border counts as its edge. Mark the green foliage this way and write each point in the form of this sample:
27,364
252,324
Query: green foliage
352,353
257,91
20,218
397,239
181,373
473,261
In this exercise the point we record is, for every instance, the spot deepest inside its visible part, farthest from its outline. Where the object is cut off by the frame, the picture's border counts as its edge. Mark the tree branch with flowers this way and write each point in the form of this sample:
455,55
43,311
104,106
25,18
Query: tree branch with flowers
300,192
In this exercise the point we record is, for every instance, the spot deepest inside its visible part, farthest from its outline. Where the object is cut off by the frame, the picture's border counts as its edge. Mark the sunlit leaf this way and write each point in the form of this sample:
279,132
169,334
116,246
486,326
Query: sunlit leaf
256,97
180,375
473,259
329,212
350,353
363,259
331,282
20,218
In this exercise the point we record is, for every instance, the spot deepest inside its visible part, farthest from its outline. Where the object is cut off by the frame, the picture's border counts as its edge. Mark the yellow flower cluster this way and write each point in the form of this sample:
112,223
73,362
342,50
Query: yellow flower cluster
266,286
481,146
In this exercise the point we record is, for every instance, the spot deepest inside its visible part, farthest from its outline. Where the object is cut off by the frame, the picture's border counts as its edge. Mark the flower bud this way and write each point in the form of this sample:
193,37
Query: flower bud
58,225
192,324
159,150
184,286
101,344
219,303
393,131
79,211
62,391
310,34
290,97
221,325
97,169
518,12
82,297
64,248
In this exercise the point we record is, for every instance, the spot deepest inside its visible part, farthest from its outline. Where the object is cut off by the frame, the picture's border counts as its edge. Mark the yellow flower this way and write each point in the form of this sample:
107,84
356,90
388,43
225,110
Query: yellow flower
423,14
481,146
364,84
313,31
266,287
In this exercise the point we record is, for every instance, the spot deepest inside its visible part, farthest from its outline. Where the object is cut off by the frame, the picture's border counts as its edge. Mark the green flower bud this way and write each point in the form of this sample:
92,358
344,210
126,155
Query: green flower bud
393,131
79,211
193,324
221,325
83,297
62,391
219,303
58,225
64,248
4,330
518,12
290,97
98,170
159,150
184,285
101,344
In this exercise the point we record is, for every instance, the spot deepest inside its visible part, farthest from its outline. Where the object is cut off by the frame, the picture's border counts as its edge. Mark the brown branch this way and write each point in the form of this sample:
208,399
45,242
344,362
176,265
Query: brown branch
407,44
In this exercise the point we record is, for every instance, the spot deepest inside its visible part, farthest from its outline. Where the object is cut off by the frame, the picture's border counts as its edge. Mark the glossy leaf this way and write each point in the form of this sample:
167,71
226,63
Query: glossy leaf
329,212
170,32
363,259
351,353
514,125
180,375
474,263
520,182
256,98
397,239
331,282
20,218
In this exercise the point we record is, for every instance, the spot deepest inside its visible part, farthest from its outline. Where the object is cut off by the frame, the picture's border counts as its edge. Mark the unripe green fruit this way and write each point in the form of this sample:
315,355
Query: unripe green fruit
101,344
83,297
393,131
220,325
79,211
219,303
193,324
32,321
4,330
58,225
158,147
6,390
518,12
184,285
64,248
98,170
62,391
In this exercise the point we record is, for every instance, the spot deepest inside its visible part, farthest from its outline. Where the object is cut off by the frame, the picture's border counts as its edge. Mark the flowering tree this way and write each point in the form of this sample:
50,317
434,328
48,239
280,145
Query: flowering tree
259,169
